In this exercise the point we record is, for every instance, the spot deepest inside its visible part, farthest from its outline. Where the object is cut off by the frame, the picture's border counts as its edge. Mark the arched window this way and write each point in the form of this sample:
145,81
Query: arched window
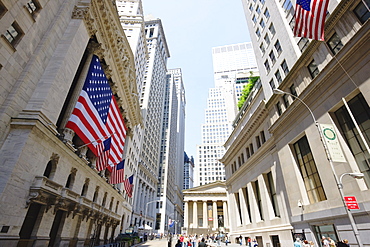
96,194
111,203
85,187
116,207
104,199
71,178
51,166
48,169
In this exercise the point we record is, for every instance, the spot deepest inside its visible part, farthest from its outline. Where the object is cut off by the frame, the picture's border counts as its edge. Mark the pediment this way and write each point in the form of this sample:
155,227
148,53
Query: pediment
216,187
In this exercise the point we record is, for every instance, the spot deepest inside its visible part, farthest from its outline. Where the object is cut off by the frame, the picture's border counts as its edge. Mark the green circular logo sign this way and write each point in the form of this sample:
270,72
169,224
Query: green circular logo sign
329,133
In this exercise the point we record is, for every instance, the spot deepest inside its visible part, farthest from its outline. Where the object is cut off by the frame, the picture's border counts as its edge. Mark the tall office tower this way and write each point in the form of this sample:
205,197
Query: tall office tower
229,63
188,172
171,160
151,103
273,42
132,20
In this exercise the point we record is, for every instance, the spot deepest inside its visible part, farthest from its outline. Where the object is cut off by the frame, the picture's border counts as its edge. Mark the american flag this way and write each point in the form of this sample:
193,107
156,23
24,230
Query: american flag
310,18
117,174
96,115
103,154
128,183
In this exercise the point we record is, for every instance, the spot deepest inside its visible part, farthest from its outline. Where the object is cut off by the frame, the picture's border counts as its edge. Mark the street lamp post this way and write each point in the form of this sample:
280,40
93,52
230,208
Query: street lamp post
338,181
146,210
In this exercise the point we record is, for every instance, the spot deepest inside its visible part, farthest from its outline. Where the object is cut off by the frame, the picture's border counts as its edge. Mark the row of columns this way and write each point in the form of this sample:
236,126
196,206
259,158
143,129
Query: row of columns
205,214
145,195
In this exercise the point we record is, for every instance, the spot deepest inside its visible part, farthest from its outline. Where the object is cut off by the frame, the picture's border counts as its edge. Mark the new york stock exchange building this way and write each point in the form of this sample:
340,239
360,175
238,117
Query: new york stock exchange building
51,193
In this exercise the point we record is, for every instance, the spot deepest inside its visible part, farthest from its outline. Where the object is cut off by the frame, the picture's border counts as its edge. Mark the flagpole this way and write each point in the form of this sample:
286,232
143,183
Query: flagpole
96,141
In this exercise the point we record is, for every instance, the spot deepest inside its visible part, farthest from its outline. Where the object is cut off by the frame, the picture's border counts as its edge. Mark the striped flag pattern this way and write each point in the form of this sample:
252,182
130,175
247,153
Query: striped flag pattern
128,184
310,18
117,174
97,117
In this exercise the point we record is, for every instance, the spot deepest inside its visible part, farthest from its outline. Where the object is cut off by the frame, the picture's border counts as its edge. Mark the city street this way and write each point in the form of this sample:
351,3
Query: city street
164,243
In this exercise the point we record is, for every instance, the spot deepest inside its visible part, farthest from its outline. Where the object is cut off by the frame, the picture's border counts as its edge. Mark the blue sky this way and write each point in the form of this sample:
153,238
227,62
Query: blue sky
192,28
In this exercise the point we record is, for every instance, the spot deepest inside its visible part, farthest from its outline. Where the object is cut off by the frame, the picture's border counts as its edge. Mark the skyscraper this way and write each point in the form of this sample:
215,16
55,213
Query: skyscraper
171,160
229,63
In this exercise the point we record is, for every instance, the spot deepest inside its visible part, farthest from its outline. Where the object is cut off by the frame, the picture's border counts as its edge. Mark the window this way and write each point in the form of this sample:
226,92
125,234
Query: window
278,108
258,10
151,32
262,1
303,43
313,69
286,100
267,14
258,141
308,170
287,5
362,12
257,194
13,34
246,196
360,111
263,138
251,148
254,19
334,43
272,84
85,187
272,57
267,39
267,66
272,193
327,231
248,153
33,7
293,91
278,76
250,7
272,29
258,33
285,68
3,9
278,47
262,24
262,48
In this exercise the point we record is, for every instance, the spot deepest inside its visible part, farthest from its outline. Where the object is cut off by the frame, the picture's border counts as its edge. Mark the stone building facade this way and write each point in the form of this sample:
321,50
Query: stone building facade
279,179
50,191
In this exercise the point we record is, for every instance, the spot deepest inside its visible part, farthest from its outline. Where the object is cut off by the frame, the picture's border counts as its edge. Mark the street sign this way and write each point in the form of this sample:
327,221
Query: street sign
351,202
331,140
210,219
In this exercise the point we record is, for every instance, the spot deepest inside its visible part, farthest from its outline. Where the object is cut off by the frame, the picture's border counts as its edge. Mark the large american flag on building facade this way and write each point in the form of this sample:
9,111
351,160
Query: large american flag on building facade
310,18
96,117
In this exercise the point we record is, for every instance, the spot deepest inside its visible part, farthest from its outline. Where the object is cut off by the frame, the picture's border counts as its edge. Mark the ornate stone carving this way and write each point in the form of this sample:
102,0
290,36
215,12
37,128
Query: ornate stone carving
79,12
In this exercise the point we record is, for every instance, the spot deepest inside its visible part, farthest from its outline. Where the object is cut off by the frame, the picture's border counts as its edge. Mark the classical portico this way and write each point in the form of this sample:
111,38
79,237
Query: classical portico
206,209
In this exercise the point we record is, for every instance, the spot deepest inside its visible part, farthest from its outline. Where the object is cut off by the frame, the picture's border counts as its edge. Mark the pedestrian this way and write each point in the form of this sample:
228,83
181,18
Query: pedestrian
254,243
202,243
324,241
297,243
178,244
226,240
331,242
249,241
193,239
306,243
240,240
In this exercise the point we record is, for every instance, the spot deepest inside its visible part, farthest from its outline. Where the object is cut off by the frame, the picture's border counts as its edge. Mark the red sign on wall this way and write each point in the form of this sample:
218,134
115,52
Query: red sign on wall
351,202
